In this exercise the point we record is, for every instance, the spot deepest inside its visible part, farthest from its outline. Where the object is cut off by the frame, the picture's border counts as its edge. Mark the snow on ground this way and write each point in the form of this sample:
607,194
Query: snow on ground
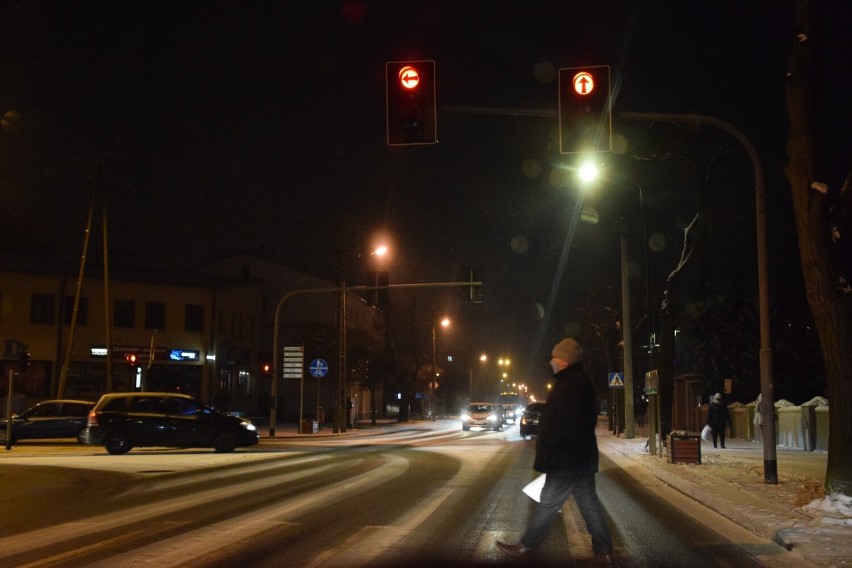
832,510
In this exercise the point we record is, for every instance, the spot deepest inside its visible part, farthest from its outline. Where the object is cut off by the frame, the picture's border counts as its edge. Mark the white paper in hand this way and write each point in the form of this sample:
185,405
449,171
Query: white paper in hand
533,488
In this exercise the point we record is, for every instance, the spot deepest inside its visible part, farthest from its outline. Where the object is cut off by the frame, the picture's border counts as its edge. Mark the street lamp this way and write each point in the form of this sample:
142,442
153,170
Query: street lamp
445,322
341,418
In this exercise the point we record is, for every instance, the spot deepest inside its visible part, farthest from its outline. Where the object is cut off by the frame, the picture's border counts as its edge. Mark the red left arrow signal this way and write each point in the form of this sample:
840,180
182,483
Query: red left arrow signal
409,77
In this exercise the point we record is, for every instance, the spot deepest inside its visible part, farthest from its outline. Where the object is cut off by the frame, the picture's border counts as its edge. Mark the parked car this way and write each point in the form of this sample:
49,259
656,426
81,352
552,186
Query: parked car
483,414
530,419
49,419
123,421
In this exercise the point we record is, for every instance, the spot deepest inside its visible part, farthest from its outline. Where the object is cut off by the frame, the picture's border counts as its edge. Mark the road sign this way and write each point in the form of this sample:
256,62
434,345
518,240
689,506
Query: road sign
652,382
318,368
616,380
292,362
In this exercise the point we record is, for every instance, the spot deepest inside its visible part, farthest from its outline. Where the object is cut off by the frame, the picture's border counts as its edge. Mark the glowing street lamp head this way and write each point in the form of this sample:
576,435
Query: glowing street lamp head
445,322
588,172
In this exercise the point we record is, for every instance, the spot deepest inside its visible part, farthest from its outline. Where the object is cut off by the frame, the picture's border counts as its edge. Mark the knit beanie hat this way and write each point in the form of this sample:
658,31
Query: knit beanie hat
568,350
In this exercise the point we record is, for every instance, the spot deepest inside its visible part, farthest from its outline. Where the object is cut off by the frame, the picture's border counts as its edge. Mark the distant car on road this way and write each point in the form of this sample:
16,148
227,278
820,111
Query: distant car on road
50,419
484,415
530,419
122,421
511,413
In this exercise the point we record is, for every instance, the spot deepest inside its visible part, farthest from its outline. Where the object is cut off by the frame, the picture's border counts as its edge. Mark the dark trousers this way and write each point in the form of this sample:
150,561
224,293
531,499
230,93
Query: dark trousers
557,489
718,433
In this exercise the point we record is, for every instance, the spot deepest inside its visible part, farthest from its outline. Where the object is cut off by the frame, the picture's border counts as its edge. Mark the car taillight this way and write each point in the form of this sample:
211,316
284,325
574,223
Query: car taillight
93,419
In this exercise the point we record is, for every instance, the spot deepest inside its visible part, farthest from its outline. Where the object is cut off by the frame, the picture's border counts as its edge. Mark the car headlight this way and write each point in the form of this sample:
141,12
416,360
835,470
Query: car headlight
492,417
248,426
465,417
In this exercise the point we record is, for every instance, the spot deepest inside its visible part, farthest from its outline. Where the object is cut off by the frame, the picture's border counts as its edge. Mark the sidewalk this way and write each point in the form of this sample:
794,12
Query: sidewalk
731,482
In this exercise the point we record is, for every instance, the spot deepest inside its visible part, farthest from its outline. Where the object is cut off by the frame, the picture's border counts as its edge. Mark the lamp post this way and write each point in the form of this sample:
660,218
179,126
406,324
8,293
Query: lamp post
627,334
503,363
341,393
444,323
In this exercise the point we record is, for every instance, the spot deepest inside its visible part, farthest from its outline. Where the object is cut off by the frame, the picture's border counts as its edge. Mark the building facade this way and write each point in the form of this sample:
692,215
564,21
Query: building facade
207,333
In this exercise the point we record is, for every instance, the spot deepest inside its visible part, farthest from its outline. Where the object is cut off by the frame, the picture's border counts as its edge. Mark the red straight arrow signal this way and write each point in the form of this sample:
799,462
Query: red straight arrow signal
583,82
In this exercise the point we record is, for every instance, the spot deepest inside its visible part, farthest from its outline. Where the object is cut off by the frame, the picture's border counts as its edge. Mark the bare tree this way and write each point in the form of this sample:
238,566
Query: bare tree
827,293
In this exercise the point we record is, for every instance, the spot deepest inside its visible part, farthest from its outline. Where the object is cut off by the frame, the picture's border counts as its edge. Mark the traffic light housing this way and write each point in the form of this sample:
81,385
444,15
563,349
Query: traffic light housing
23,361
472,294
411,104
585,118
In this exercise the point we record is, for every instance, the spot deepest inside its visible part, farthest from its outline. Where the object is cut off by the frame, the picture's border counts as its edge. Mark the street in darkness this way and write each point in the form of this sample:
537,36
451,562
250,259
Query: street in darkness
414,494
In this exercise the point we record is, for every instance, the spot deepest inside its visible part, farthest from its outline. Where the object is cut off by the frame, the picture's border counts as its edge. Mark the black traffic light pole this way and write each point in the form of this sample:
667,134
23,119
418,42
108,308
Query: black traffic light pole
767,409
770,463
336,289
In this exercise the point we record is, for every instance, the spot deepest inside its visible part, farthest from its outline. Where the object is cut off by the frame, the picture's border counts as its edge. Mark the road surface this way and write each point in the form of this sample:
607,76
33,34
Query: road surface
418,494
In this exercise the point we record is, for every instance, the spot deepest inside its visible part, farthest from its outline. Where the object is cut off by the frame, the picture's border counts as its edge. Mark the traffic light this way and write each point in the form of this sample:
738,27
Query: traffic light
131,359
472,294
411,111
585,121
23,361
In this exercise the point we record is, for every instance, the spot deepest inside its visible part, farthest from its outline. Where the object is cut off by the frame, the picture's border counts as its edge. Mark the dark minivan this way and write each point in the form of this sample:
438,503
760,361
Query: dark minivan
122,421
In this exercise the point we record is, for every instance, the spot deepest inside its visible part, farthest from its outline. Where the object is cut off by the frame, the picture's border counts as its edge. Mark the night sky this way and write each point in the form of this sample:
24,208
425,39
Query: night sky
234,126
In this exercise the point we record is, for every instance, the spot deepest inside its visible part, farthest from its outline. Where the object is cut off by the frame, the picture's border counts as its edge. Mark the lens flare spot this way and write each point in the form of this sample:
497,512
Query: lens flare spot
519,244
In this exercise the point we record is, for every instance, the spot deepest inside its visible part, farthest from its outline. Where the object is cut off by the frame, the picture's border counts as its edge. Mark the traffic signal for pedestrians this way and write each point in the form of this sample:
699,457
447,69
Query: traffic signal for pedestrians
585,122
411,111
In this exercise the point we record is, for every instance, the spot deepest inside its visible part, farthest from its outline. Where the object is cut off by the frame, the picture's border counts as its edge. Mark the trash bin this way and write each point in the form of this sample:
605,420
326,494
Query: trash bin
308,427
685,449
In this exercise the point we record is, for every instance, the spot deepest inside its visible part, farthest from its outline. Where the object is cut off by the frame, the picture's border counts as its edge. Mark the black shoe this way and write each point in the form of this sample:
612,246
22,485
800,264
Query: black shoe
603,560
514,550
724,448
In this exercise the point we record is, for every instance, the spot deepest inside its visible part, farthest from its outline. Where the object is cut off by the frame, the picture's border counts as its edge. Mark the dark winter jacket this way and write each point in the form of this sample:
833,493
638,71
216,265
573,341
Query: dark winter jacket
566,440
717,415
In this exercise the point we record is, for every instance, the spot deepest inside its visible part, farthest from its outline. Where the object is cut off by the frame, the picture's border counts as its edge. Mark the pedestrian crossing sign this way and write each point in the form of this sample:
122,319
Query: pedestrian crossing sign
616,380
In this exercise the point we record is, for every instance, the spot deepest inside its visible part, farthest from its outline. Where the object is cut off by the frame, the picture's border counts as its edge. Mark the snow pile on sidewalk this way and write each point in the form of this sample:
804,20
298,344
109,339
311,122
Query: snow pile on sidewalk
832,510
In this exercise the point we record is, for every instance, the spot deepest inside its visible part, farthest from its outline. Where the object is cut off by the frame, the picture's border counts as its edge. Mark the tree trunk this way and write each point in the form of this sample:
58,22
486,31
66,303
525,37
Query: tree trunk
831,310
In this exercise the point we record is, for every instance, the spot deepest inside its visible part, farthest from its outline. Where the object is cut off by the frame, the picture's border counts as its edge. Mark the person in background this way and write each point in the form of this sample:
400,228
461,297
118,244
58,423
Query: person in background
567,452
718,419
758,418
